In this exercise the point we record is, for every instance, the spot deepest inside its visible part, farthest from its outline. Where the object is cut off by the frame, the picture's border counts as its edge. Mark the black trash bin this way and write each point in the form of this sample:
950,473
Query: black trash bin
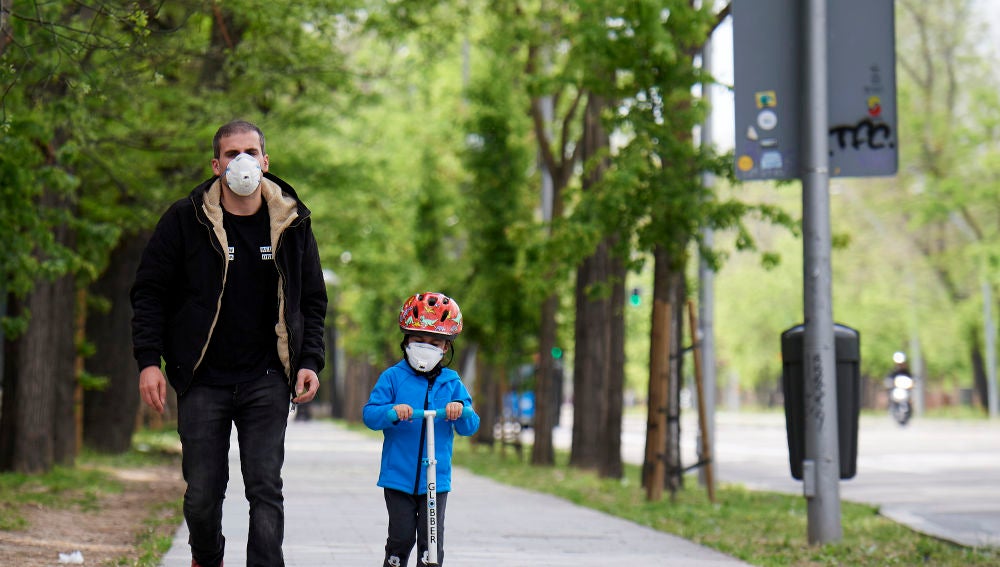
847,343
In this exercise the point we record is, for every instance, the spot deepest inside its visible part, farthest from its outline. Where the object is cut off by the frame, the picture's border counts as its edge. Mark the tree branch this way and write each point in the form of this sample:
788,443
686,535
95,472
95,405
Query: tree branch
5,35
721,17
537,117
222,24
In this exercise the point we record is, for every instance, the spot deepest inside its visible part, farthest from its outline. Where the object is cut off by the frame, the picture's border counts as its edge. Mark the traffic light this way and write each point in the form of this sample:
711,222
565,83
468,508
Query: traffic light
636,298
556,353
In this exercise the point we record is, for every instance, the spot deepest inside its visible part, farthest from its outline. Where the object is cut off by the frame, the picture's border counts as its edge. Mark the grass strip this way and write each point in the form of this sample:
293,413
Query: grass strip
761,528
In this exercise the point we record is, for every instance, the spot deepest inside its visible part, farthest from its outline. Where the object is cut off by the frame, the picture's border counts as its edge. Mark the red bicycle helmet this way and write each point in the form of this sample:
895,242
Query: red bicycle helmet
431,313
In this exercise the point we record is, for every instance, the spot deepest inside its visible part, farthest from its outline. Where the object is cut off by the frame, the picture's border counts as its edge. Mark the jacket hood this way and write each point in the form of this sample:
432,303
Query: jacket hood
209,192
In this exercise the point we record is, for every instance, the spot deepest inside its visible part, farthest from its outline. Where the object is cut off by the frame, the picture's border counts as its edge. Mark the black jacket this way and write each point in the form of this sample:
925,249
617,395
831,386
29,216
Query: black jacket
178,286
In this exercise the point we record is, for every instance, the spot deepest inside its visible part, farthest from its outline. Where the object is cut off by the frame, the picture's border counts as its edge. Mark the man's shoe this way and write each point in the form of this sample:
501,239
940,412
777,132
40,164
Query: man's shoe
196,564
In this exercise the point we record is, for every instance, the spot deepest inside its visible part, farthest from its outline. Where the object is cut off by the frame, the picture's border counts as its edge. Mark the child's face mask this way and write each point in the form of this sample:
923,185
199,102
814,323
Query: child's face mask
423,357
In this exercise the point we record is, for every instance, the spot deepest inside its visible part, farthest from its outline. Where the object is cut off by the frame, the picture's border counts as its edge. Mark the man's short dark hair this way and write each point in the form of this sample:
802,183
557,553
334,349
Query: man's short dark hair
236,127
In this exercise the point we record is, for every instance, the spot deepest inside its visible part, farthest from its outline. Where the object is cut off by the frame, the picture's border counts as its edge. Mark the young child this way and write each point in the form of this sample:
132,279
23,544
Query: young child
430,322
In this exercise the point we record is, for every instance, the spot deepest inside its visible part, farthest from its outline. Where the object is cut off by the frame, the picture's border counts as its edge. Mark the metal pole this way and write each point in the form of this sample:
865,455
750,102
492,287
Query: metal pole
821,470
706,279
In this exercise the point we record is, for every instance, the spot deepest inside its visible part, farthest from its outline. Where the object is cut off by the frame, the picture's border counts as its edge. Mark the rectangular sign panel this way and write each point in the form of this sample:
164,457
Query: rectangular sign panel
861,83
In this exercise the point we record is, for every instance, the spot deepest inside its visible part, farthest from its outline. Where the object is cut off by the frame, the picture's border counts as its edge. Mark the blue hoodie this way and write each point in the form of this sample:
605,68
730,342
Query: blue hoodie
404,446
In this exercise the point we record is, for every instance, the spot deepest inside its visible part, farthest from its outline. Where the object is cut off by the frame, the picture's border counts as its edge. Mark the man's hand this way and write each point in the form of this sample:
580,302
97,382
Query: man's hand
153,387
306,386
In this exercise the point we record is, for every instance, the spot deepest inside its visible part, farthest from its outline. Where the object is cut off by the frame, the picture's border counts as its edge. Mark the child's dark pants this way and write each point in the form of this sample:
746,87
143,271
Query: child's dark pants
408,525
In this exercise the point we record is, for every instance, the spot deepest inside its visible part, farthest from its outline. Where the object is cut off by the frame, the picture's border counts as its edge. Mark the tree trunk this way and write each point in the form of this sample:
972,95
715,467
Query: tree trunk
611,462
654,463
5,34
599,356
487,400
675,294
666,364
38,425
558,166
27,436
334,387
359,379
979,381
226,34
591,362
548,398
109,414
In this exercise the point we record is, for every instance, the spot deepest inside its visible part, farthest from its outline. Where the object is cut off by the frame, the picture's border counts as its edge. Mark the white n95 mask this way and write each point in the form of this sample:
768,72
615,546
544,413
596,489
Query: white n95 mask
423,357
243,174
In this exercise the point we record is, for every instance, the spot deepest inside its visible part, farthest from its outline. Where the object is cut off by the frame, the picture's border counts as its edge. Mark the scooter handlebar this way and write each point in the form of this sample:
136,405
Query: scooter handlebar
420,414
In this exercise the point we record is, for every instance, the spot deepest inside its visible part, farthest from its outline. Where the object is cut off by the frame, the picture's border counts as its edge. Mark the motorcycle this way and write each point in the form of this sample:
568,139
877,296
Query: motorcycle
900,398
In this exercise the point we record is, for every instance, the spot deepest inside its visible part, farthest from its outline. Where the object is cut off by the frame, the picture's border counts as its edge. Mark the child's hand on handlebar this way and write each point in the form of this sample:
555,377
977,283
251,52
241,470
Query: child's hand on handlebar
403,412
453,410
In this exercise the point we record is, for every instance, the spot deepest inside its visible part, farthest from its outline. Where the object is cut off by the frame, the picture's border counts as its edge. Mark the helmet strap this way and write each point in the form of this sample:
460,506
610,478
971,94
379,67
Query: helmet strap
451,354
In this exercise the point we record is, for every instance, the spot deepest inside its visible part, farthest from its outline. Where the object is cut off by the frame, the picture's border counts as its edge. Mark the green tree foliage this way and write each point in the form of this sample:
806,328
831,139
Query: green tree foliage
51,94
396,221
107,112
113,106
654,190
501,209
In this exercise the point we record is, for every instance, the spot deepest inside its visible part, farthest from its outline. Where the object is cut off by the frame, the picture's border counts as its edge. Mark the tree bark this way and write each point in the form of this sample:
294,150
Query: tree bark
675,294
591,362
5,34
334,394
109,414
548,398
359,379
654,463
559,162
38,428
611,462
666,364
226,34
599,354
488,400
27,435
979,381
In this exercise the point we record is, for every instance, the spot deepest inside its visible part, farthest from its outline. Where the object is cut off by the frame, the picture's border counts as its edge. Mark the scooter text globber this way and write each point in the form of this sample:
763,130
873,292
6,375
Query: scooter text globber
431,462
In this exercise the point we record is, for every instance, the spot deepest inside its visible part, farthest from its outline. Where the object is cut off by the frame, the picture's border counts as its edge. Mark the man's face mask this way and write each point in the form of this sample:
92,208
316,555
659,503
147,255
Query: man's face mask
423,357
243,174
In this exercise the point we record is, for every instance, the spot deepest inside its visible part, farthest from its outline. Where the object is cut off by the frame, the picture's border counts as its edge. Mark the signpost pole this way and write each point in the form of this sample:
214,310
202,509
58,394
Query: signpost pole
822,452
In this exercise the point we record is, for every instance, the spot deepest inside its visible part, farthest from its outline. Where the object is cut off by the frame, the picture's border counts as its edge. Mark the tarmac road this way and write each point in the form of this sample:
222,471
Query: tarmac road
940,477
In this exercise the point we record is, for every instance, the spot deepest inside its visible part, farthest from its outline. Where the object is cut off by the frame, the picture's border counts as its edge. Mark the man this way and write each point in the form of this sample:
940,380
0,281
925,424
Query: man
230,293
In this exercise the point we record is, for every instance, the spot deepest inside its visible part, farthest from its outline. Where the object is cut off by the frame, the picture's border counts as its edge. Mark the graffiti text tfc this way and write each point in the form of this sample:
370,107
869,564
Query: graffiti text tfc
864,134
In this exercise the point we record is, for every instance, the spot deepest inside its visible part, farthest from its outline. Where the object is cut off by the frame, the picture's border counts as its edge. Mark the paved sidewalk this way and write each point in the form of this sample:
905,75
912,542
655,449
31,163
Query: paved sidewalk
335,515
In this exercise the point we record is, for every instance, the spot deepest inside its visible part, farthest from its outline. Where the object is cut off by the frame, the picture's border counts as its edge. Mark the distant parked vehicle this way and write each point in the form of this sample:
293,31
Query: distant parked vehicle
519,407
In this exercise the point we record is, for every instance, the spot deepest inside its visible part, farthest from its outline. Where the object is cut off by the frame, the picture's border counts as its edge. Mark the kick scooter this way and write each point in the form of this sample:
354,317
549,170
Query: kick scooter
431,462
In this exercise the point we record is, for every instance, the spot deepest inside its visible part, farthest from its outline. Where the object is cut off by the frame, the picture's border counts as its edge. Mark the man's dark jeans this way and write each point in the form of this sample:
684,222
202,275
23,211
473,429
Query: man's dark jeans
205,418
